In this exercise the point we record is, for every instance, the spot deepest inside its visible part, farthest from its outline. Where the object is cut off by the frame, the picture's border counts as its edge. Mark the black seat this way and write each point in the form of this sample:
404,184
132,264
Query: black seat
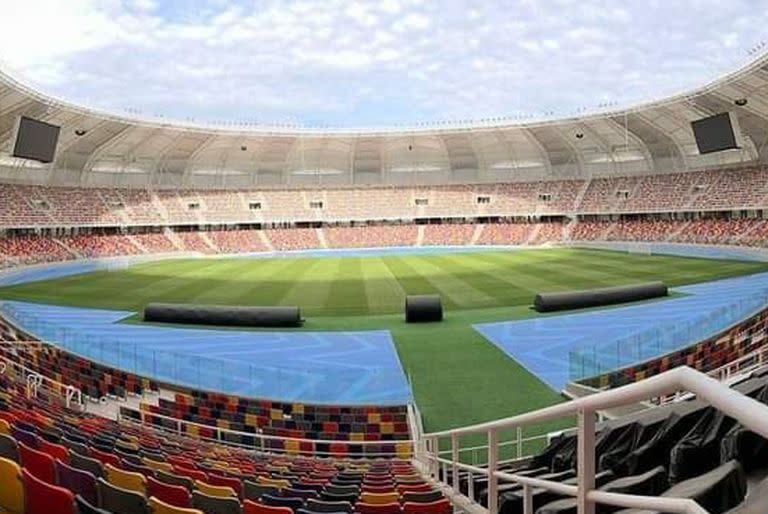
8,448
173,479
121,501
339,497
92,466
650,483
422,497
282,501
717,491
321,506
254,491
84,507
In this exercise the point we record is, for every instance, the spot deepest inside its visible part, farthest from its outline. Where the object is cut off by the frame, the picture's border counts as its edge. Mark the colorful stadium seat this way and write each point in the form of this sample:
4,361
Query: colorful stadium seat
235,483
320,506
38,464
56,451
86,507
121,501
173,479
159,507
83,463
80,482
41,497
250,507
172,494
437,507
127,480
380,508
215,504
11,487
214,490
8,448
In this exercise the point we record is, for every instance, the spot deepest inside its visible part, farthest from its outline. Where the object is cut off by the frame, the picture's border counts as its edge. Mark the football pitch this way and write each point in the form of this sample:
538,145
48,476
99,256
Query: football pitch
457,376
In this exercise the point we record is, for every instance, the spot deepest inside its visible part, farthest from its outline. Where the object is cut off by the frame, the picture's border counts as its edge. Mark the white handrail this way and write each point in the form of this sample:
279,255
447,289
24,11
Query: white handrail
34,379
736,405
747,411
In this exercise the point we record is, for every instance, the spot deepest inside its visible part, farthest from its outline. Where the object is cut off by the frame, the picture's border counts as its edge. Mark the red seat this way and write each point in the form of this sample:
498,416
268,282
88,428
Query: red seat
41,497
56,451
234,483
385,508
250,507
414,488
39,464
388,488
191,473
175,495
105,458
439,507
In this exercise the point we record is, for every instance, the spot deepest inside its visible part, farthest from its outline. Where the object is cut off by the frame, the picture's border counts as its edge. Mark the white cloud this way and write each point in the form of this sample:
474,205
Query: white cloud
362,62
413,21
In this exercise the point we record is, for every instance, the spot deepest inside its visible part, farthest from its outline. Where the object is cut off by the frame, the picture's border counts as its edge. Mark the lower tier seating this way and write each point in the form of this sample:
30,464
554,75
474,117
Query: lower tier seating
65,461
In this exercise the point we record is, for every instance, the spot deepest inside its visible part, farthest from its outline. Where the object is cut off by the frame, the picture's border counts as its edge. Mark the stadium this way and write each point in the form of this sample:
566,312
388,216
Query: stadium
554,315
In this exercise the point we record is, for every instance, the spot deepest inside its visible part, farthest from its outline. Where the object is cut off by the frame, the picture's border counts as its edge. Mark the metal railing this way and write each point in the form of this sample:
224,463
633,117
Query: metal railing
725,373
747,411
477,453
35,381
262,441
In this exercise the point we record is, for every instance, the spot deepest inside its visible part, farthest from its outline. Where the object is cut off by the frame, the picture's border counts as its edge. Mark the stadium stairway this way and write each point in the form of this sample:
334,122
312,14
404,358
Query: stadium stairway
684,449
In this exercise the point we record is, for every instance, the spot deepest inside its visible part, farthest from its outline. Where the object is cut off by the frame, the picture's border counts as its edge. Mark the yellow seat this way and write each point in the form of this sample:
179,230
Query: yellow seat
11,487
157,465
159,507
379,498
403,450
273,481
5,427
126,479
220,491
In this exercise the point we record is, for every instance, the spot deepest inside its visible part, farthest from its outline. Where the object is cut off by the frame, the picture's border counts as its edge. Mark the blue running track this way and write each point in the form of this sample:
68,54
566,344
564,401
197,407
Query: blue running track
561,348
317,367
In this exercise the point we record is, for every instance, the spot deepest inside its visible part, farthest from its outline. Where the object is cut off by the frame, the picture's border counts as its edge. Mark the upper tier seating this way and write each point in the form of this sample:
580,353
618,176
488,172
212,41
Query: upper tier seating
725,189
371,236
450,234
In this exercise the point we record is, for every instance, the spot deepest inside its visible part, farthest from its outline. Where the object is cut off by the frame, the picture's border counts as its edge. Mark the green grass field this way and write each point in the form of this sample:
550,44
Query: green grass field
458,377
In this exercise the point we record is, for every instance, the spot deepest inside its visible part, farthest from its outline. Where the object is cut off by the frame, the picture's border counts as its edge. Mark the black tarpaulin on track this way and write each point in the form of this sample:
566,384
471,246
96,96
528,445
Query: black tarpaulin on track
223,315
564,300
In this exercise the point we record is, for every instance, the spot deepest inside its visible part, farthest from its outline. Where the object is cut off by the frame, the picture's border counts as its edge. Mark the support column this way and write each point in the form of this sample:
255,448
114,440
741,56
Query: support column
493,465
586,461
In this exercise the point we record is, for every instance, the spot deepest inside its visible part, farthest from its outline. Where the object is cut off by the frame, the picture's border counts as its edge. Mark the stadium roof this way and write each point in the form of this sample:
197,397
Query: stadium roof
99,148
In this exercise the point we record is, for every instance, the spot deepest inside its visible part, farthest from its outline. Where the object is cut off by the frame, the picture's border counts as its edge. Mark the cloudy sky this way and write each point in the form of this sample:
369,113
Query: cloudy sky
372,63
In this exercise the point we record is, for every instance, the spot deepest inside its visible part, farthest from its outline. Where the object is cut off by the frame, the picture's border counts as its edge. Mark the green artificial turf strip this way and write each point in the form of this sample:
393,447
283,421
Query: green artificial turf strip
458,377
